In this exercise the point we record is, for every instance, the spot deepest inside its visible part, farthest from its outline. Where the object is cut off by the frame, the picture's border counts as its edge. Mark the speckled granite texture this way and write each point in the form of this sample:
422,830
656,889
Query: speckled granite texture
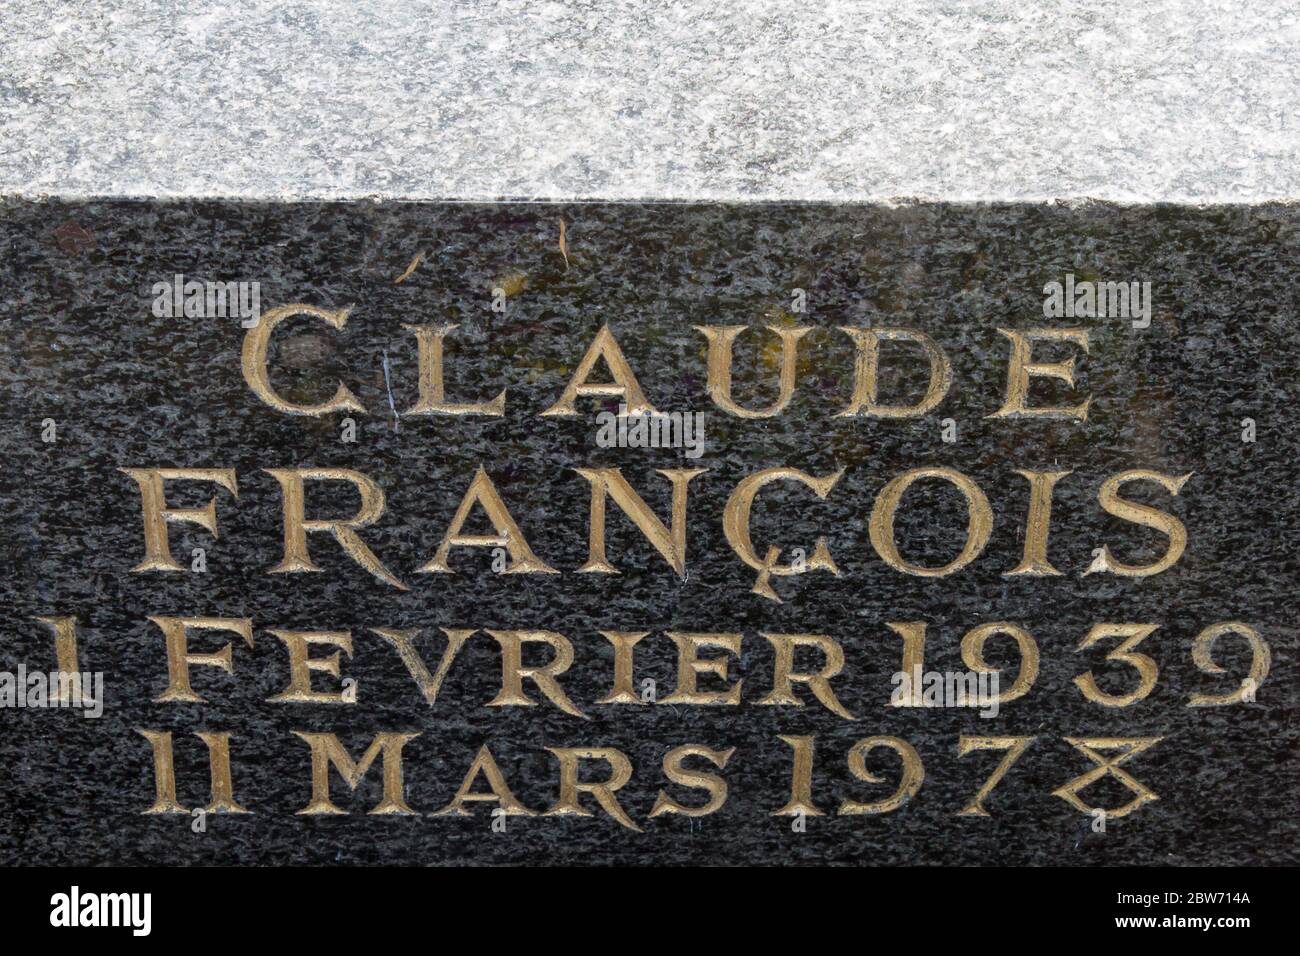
80,345
855,100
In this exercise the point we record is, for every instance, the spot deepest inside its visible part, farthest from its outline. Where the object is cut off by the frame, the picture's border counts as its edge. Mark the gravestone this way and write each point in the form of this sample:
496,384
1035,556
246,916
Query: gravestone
593,434
941,445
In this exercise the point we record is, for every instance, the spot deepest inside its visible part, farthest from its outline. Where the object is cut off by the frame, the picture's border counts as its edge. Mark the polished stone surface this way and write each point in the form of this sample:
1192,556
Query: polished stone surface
128,389
1164,100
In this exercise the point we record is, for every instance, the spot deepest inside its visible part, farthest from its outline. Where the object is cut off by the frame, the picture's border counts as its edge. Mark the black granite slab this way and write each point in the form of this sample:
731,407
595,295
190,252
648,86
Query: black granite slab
80,345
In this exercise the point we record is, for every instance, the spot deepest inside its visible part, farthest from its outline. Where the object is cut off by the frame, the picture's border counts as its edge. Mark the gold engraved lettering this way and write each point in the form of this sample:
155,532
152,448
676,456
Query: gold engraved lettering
222,789
1148,672
721,339
624,690
783,675
65,656
513,671
157,513
1113,504
484,493
297,527
609,482
913,635
712,783
301,666
620,773
690,666
1203,657
1127,748
867,368
1014,746
253,361
801,801
972,654
432,394
1023,368
978,528
736,522
404,643
624,385
1035,561
912,778
501,795
180,660
326,750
